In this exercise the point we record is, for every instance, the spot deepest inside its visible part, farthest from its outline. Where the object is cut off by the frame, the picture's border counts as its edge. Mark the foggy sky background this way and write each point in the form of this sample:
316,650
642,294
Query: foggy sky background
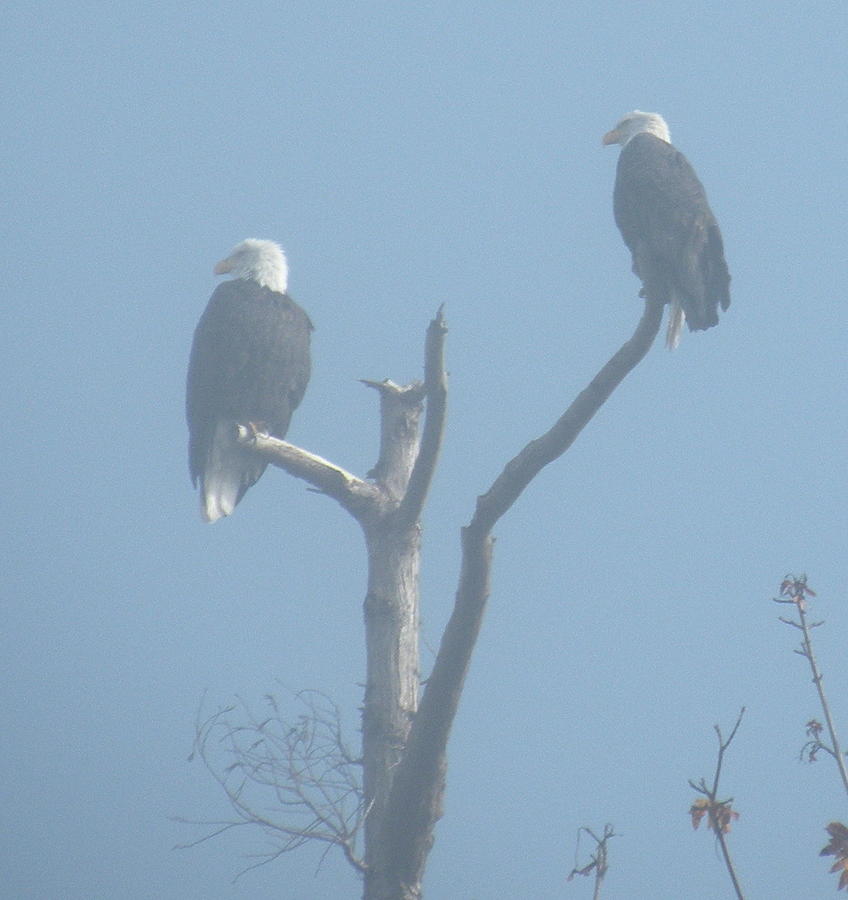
407,156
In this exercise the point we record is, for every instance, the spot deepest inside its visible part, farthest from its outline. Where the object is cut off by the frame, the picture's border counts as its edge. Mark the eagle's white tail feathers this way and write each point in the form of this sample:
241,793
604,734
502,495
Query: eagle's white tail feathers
218,497
676,318
223,476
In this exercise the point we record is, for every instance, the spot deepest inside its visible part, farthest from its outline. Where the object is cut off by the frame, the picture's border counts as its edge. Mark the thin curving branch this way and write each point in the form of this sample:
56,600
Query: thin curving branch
415,801
436,391
521,470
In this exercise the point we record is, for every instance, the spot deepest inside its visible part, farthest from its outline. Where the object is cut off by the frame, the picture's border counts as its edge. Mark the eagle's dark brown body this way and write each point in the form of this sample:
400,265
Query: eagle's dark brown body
249,364
665,219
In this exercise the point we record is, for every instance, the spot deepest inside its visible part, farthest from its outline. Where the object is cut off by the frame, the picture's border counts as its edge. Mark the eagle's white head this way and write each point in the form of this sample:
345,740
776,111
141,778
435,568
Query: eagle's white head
257,260
635,123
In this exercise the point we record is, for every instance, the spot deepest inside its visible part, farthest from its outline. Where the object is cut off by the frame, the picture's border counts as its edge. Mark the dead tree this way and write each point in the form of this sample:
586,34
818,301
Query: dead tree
404,730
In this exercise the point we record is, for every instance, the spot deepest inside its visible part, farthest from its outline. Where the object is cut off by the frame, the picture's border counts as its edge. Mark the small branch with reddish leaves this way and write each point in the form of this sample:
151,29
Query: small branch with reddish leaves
838,847
720,812
794,590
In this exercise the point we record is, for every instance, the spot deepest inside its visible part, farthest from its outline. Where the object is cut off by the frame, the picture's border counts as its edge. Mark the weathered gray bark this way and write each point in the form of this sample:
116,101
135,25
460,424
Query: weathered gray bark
388,508
416,800
391,617
404,745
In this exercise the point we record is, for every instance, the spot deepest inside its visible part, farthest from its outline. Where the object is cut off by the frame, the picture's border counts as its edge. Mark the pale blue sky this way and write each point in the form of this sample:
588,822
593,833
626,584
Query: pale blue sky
408,155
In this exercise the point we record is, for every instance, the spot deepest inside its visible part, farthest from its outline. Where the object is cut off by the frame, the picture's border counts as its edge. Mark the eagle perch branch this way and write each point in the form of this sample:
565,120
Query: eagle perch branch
416,796
353,493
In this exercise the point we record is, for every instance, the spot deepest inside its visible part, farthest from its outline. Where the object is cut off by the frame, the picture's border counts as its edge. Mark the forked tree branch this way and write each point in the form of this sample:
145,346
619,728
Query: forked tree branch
388,507
415,800
400,414
720,812
367,499
415,779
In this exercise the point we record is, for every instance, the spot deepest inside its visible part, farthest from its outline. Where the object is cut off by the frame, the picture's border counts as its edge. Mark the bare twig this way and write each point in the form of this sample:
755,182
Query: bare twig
598,861
720,812
794,590
304,763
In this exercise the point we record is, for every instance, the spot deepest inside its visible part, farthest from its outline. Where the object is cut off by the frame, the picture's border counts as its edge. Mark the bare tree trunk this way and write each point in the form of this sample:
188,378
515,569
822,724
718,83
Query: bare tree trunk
404,745
391,691
391,621
416,799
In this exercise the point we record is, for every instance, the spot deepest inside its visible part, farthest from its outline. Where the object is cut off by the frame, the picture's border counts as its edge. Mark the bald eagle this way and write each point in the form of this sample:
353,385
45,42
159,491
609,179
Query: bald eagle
662,212
249,365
